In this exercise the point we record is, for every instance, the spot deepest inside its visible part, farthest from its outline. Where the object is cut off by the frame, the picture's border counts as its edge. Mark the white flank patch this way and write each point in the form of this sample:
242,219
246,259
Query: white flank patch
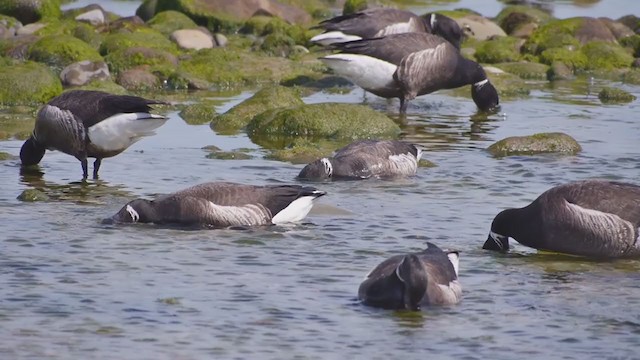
328,168
397,28
398,270
451,293
418,154
364,71
432,21
403,164
455,260
134,214
296,211
120,131
333,37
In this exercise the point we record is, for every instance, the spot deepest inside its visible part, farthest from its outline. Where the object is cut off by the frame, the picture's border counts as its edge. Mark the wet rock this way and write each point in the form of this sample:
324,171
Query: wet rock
138,79
338,121
265,99
128,23
83,72
480,28
300,150
508,85
618,29
180,80
167,22
228,155
609,95
199,113
143,38
62,50
30,11
525,70
602,55
27,83
631,77
224,15
192,39
159,61
8,26
520,21
33,195
500,49
4,156
30,29
220,40
559,71
94,17
573,59
535,144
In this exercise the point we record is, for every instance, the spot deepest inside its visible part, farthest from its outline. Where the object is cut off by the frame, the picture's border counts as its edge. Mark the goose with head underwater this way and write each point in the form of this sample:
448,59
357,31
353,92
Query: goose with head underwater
591,218
378,22
223,204
90,124
412,281
366,159
408,65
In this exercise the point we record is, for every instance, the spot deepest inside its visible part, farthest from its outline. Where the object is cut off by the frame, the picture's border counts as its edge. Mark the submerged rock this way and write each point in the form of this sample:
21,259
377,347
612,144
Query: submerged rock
610,95
199,113
32,195
267,98
535,144
6,156
83,72
27,83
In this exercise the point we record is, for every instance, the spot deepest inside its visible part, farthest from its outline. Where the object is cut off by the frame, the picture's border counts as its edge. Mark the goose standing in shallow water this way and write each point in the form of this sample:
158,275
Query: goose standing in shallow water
379,22
409,65
222,204
365,159
88,124
414,280
593,218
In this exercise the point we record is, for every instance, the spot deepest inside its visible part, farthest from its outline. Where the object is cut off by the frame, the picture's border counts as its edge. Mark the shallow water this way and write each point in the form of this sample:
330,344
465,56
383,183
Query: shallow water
75,288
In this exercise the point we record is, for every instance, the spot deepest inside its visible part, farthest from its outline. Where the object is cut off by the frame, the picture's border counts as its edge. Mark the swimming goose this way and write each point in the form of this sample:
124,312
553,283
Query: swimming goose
365,159
223,204
92,124
414,280
409,65
379,22
593,218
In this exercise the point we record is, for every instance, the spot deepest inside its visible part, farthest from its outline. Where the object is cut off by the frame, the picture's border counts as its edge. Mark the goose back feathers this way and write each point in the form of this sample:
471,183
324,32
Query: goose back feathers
592,218
223,204
90,124
410,65
365,159
411,281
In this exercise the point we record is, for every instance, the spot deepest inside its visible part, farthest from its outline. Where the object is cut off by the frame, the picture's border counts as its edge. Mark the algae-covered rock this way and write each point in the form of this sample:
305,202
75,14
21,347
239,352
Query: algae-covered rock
497,50
574,59
479,27
103,85
525,70
300,150
4,156
559,71
199,113
632,42
30,11
325,120
142,38
568,33
160,61
602,55
609,95
228,155
265,99
353,6
632,77
138,79
535,144
62,50
507,84
32,195
512,18
27,83
167,22
8,26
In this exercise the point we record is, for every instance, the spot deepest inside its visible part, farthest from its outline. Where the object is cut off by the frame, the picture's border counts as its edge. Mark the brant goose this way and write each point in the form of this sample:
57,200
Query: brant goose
409,65
414,280
379,22
592,218
365,159
90,124
223,204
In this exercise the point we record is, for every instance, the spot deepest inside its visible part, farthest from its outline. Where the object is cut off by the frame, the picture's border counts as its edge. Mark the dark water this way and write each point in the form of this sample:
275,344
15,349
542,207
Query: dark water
74,288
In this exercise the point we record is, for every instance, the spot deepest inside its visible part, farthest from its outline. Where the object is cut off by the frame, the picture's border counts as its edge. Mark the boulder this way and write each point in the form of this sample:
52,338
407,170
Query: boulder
83,72
499,49
167,22
32,195
30,11
158,60
138,79
199,113
525,70
30,29
632,22
479,27
535,144
59,51
94,17
618,29
148,38
568,33
195,39
27,83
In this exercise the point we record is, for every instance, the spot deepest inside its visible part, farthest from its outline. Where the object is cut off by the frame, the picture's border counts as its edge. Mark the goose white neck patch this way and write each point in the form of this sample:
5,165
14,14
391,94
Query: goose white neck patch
497,238
134,214
328,168
480,84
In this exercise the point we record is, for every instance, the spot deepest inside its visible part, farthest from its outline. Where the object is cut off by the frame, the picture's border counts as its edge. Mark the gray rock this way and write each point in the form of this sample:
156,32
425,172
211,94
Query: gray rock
220,40
192,39
94,17
30,29
83,72
138,79
479,27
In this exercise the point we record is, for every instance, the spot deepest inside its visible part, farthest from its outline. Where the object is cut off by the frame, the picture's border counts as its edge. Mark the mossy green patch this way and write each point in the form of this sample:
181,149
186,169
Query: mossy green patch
300,150
16,126
27,83
141,38
4,156
602,55
88,34
537,15
57,27
58,51
199,113
325,120
271,97
554,34
574,59
30,11
229,155
167,22
631,76
159,61
457,13
508,85
632,42
609,95
525,70
500,49
33,195
8,21
535,144
353,6
106,86
212,20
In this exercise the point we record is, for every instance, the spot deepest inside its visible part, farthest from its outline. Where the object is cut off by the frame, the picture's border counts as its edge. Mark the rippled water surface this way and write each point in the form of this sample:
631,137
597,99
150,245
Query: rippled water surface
74,288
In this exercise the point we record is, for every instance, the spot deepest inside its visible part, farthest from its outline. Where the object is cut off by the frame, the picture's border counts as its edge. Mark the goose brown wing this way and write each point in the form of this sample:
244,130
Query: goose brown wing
366,24
427,70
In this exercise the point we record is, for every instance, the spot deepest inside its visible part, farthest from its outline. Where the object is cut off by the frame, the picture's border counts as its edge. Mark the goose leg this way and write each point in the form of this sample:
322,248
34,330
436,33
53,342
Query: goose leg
96,167
403,105
85,171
